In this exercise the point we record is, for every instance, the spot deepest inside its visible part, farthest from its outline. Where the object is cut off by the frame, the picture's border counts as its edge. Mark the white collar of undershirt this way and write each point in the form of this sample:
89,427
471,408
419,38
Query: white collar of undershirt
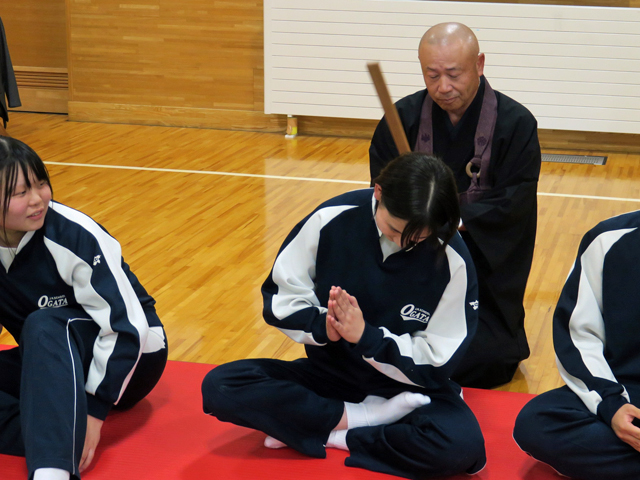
387,246
7,254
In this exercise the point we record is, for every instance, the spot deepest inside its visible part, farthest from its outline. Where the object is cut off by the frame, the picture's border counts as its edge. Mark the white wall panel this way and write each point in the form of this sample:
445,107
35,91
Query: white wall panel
575,68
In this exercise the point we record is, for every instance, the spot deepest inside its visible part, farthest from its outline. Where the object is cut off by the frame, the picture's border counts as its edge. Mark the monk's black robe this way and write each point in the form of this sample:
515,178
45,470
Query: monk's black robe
500,227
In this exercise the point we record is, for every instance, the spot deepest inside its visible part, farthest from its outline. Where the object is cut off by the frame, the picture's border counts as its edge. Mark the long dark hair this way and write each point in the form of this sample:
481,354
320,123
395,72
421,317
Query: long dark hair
421,189
17,156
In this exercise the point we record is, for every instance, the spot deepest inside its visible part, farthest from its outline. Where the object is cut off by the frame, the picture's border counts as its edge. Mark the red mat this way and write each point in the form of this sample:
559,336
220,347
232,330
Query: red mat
167,436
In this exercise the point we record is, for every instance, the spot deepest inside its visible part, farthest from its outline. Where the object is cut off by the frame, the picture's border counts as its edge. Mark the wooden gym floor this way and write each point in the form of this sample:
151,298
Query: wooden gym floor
201,214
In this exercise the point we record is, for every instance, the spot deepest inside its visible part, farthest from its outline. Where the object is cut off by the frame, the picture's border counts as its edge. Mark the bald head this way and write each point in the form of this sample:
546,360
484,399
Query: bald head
452,66
448,34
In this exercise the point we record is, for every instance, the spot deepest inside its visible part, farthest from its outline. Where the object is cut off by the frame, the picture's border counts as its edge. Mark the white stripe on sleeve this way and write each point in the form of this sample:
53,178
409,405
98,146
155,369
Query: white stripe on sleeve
77,273
586,325
294,272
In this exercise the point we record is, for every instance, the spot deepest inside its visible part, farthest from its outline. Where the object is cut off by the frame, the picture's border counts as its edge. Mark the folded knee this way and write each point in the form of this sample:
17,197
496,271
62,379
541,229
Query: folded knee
443,449
467,455
36,324
527,431
215,392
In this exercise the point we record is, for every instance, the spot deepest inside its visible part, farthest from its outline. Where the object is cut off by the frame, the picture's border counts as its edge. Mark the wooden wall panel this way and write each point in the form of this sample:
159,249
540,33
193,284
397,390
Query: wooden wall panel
42,89
36,32
176,116
192,53
37,38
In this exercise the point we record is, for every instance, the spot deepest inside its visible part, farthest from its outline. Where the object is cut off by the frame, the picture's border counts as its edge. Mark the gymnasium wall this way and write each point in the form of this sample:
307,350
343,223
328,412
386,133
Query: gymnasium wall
37,38
573,67
187,62
163,62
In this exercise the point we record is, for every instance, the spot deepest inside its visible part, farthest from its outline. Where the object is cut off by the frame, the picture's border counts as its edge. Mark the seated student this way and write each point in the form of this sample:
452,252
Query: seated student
88,334
381,290
587,429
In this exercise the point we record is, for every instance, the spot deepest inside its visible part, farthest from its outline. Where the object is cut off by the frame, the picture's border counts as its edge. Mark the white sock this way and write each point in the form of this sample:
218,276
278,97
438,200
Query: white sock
373,412
374,400
51,474
270,442
338,439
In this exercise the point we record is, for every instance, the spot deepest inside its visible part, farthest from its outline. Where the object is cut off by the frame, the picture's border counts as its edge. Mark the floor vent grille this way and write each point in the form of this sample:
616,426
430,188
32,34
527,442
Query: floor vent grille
588,159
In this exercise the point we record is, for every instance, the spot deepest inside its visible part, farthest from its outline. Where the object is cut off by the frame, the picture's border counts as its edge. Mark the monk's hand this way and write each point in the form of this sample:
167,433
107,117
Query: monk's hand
622,424
332,333
91,441
348,320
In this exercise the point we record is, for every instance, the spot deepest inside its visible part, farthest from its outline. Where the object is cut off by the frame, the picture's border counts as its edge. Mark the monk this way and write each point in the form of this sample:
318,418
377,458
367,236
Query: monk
490,142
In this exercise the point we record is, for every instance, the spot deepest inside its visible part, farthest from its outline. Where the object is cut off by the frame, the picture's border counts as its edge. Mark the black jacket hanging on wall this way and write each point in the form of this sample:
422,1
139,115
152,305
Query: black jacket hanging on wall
8,84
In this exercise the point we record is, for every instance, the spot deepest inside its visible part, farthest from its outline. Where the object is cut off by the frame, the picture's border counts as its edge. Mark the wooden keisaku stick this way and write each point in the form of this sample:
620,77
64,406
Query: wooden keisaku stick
390,112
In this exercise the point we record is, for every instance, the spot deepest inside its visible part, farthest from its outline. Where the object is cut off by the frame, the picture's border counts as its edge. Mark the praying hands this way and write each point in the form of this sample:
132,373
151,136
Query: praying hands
344,317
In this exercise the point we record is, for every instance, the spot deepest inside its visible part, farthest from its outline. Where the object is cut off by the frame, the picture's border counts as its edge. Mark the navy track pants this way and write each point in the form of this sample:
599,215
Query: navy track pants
557,428
299,404
43,404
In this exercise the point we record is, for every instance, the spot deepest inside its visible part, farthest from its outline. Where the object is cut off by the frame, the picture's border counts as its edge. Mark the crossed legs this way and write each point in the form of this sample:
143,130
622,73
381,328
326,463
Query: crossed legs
299,406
